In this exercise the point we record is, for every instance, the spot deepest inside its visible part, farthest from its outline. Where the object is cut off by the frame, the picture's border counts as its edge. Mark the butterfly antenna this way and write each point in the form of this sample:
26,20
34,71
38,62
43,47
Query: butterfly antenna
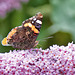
44,39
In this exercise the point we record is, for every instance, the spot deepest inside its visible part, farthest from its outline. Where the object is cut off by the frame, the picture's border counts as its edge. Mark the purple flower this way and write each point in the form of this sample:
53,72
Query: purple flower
54,61
8,5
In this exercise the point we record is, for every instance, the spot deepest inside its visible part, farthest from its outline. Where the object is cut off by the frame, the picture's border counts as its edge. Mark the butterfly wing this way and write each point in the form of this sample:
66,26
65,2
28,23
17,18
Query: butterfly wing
25,36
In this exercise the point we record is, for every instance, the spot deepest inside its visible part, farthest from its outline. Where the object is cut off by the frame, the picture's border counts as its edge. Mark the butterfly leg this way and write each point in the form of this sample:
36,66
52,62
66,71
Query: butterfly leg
36,43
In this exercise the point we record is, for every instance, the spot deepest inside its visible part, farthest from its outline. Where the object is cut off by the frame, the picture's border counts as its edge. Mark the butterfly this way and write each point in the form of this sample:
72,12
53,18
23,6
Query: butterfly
24,36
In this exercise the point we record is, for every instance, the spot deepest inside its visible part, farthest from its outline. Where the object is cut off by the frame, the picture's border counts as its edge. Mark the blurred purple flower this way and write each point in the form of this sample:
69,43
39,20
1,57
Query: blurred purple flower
54,61
8,5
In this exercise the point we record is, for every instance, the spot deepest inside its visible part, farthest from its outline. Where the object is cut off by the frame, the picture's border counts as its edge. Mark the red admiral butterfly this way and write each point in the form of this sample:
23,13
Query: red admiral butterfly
24,37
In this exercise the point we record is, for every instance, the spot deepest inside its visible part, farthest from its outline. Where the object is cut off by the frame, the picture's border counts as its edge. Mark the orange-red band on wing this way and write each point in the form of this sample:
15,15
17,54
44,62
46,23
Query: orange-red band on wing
4,41
11,33
32,27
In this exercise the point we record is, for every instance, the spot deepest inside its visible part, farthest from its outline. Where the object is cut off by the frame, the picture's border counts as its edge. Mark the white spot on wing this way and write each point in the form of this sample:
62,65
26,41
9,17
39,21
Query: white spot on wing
23,22
18,26
30,18
34,19
38,21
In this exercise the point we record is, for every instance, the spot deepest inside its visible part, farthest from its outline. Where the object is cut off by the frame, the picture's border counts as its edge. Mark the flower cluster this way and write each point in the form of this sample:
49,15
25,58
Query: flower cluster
58,60
7,5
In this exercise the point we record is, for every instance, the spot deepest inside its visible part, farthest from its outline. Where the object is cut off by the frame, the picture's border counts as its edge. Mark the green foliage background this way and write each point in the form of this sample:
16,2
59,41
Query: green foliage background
58,21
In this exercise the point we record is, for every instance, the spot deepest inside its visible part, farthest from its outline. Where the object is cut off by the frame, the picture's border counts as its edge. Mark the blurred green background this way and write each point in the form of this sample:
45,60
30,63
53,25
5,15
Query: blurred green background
58,21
